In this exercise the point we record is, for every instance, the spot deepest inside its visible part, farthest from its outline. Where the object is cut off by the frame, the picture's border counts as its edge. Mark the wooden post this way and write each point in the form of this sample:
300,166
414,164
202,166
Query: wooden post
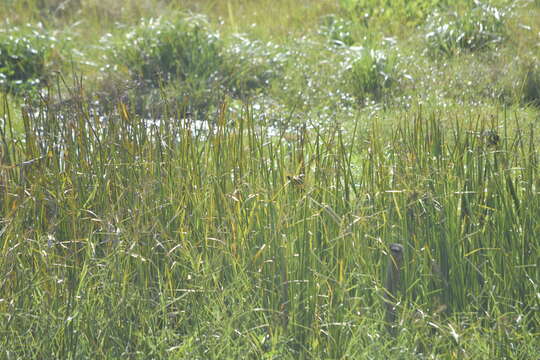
393,281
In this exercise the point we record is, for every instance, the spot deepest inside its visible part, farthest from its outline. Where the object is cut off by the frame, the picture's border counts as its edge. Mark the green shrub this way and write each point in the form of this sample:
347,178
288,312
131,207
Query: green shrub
411,11
178,61
189,61
251,65
337,30
477,29
26,56
519,83
372,76
531,85
158,51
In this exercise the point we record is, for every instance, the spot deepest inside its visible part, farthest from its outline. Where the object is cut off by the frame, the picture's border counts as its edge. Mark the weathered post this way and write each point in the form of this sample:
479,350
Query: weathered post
393,281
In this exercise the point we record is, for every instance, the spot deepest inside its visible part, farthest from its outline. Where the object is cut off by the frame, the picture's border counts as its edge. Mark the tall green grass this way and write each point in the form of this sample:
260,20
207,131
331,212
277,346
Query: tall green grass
237,198
128,238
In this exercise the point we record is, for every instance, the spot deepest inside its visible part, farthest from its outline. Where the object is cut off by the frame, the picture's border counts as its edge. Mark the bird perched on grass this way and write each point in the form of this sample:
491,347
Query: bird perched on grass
296,180
490,137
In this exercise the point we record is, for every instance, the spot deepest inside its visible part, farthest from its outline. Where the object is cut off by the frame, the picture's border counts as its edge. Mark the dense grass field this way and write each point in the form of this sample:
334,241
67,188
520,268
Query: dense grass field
225,179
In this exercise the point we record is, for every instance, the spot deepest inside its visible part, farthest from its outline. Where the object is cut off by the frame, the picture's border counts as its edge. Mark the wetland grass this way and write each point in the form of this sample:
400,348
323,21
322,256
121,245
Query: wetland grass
248,206
214,255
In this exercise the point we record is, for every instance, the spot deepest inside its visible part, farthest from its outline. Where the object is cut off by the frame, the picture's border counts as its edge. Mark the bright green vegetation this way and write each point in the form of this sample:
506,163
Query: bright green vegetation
149,162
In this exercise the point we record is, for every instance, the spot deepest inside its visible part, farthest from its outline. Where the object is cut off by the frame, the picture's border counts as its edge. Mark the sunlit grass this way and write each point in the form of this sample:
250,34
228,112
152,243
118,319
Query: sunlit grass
123,237
133,225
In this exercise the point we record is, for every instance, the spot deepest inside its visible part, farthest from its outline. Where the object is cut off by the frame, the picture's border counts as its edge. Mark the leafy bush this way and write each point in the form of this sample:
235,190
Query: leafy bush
517,83
337,30
158,51
372,75
474,30
186,58
252,64
178,60
26,56
412,11
531,85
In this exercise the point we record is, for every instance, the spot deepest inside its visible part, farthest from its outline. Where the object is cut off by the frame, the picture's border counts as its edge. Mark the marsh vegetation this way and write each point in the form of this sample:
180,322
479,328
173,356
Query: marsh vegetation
224,179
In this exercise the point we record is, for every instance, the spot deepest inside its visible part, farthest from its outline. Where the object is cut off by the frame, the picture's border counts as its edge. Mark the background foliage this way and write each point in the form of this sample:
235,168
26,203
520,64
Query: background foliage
227,185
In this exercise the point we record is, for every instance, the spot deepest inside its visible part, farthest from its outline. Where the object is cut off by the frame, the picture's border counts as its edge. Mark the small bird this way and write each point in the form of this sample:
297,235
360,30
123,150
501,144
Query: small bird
296,180
490,137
